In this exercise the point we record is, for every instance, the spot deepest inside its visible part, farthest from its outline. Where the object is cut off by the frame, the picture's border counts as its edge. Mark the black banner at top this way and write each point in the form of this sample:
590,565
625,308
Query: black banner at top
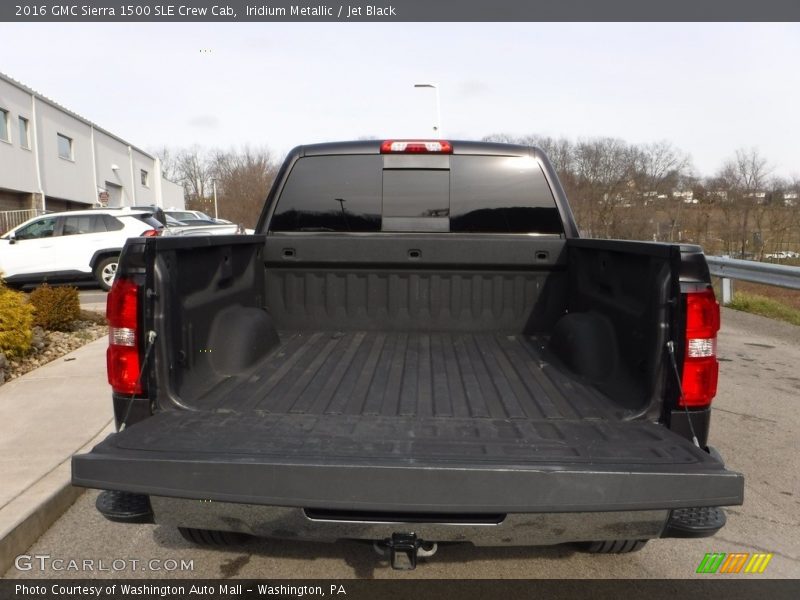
397,10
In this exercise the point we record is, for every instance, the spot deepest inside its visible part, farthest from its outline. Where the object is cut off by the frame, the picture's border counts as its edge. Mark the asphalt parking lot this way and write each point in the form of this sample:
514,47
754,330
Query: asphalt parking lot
93,299
756,427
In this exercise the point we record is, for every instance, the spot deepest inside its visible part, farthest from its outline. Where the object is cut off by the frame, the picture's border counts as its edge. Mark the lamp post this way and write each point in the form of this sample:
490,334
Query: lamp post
437,127
214,183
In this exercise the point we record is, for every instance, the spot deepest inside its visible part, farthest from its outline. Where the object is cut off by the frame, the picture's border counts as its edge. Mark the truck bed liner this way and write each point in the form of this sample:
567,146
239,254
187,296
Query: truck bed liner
378,421
411,375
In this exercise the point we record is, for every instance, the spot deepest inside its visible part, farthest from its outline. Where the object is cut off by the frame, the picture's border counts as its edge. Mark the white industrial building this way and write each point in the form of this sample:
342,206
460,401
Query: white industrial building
52,159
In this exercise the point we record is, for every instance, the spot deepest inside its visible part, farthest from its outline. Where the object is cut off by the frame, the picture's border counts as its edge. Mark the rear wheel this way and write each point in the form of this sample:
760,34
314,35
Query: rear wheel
613,546
211,537
106,271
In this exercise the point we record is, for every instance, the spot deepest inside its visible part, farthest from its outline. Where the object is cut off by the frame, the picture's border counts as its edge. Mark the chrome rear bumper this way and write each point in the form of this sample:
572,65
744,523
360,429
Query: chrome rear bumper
514,529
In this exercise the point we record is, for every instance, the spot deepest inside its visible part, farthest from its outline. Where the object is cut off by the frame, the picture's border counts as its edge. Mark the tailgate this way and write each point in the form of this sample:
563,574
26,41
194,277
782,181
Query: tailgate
409,464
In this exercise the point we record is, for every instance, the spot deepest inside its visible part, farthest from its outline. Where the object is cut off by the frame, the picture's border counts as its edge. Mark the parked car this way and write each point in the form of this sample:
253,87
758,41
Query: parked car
71,246
188,216
782,255
194,228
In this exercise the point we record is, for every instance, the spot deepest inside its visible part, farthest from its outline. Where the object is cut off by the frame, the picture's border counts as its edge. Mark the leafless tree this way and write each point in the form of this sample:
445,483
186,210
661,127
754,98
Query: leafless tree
659,170
169,163
603,181
742,178
243,179
195,167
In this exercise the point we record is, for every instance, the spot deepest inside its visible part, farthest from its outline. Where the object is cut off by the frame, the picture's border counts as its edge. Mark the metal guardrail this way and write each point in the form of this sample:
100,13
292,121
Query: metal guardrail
750,270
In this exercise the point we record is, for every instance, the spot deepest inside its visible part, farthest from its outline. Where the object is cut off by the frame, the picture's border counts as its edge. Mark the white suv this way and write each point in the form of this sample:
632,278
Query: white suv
73,245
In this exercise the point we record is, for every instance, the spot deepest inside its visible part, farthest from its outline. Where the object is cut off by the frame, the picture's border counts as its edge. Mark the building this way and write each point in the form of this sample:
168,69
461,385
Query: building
52,159
686,195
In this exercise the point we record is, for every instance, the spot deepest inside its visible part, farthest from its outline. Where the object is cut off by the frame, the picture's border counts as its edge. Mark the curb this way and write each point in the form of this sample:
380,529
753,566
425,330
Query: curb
28,516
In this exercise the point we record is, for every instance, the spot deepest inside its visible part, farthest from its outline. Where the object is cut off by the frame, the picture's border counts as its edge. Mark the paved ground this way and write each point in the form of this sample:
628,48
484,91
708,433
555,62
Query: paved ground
756,427
46,416
93,299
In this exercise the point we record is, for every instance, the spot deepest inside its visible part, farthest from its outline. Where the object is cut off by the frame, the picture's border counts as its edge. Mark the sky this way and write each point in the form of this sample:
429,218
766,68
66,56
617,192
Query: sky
708,88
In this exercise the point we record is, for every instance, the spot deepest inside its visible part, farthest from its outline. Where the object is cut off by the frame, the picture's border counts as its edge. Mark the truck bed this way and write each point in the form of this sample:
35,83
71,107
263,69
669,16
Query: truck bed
411,375
388,399
361,388
331,420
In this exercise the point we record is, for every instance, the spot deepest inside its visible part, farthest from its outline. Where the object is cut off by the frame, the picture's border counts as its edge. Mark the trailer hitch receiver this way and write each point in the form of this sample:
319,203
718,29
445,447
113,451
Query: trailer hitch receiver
403,550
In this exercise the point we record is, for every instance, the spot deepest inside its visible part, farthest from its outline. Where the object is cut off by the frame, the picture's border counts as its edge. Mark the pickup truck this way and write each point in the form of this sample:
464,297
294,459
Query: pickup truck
414,348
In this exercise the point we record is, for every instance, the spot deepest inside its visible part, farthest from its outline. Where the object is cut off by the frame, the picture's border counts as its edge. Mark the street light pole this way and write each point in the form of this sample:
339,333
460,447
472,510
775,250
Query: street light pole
437,128
214,182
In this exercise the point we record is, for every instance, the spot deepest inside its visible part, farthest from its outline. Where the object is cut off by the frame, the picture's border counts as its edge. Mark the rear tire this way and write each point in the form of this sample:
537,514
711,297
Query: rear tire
211,537
613,546
106,271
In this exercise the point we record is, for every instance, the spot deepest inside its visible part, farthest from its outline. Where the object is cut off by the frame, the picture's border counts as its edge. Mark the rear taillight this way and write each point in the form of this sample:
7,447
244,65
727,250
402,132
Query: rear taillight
150,233
416,147
122,357
700,366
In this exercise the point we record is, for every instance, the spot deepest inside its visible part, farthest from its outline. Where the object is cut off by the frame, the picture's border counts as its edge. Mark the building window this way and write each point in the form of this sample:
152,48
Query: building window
4,125
64,147
145,177
24,135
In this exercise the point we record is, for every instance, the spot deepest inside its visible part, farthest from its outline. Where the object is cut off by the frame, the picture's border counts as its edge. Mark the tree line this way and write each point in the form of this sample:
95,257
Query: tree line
241,178
616,189
653,192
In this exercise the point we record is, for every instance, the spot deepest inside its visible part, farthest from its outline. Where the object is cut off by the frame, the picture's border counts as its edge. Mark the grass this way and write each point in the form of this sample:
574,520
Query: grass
767,307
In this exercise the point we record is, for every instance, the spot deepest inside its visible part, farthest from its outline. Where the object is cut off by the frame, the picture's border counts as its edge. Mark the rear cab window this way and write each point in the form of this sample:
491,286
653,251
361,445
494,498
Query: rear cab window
417,193
331,193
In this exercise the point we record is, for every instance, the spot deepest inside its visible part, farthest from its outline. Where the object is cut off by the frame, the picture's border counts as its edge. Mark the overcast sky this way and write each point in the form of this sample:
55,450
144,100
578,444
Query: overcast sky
708,88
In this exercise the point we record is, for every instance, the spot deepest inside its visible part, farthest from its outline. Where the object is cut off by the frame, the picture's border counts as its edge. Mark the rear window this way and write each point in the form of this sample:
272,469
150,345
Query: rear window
149,220
458,193
501,194
111,223
331,193
76,225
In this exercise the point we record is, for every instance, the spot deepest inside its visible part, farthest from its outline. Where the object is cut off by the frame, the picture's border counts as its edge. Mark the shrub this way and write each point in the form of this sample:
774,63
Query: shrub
56,307
16,322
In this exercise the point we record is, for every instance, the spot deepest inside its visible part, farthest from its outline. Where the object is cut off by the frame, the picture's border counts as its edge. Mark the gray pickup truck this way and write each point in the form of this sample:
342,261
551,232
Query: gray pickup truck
416,347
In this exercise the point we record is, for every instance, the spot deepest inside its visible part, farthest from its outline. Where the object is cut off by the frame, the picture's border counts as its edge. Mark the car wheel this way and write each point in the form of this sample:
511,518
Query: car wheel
106,271
613,546
211,537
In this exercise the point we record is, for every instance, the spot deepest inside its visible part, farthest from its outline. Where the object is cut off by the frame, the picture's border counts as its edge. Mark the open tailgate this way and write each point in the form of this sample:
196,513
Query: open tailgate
379,463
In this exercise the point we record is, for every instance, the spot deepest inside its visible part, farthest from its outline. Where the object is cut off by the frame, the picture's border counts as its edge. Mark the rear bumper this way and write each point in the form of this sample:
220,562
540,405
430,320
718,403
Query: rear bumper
513,529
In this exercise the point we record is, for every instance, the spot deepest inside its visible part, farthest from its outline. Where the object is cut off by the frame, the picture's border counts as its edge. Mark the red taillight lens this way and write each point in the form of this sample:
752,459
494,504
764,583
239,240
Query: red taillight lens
700,366
122,357
702,315
150,233
416,147
699,381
